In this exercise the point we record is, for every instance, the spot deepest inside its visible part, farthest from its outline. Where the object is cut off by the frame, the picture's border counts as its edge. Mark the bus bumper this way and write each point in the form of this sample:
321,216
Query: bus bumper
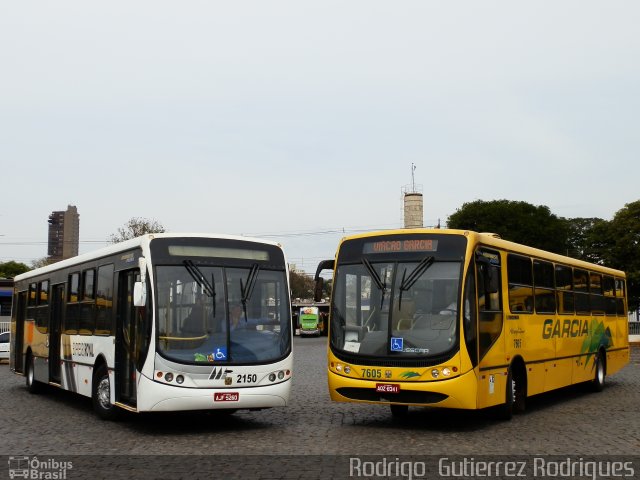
459,392
159,397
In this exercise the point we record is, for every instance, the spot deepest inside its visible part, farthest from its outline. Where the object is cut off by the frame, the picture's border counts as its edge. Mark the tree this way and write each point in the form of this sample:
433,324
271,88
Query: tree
11,269
584,240
620,247
301,284
41,262
519,222
135,227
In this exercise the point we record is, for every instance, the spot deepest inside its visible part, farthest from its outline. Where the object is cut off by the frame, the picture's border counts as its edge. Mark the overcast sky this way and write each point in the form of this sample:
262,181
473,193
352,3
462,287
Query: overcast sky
298,118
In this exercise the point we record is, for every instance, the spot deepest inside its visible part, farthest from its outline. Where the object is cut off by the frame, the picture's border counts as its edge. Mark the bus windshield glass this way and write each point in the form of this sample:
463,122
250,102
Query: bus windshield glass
397,302
235,312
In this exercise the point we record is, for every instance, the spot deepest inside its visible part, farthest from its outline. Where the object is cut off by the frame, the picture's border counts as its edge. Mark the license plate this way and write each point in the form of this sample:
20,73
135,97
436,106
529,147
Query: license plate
387,388
226,396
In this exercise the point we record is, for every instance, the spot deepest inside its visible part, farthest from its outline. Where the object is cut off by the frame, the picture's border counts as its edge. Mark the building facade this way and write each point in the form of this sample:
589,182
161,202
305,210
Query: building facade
64,234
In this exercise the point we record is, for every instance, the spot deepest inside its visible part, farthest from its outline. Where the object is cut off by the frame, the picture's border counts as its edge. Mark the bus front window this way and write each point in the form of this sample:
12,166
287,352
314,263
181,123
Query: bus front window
405,308
213,314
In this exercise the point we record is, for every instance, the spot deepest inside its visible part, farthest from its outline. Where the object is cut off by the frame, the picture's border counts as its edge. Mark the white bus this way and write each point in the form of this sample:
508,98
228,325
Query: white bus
163,322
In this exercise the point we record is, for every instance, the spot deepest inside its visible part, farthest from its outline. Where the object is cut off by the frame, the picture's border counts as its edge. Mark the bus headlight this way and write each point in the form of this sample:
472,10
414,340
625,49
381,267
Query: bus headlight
435,373
347,369
446,371
168,376
179,379
272,377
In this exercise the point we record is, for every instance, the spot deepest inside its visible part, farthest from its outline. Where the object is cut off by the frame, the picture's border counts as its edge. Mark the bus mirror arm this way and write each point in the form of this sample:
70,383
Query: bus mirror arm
319,281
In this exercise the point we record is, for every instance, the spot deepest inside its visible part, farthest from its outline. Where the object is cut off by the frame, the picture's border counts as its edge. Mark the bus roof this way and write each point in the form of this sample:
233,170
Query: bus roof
140,241
494,240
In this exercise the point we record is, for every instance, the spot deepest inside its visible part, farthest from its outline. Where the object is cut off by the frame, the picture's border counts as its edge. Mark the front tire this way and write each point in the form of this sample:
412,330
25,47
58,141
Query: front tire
101,395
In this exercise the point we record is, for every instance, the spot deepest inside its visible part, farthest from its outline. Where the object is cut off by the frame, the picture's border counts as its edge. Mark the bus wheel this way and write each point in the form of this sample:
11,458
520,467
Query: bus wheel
101,395
33,386
597,384
515,395
399,411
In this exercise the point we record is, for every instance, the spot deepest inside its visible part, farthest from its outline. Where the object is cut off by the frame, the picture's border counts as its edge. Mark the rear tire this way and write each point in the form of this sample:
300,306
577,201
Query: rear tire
33,386
597,384
101,395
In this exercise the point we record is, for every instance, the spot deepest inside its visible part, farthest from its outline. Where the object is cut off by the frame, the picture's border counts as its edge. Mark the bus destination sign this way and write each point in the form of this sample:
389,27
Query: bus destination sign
401,246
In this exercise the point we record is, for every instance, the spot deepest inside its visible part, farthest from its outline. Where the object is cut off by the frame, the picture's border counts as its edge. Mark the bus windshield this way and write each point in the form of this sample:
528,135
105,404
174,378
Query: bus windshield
397,304
208,314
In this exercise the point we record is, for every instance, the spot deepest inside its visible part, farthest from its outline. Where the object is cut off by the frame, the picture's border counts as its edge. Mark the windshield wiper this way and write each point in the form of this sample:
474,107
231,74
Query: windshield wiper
247,289
382,286
408,282
200,279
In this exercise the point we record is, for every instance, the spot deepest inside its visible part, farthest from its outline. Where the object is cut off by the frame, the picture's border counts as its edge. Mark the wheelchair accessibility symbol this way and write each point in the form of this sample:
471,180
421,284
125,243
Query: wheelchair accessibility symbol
220,353
397,344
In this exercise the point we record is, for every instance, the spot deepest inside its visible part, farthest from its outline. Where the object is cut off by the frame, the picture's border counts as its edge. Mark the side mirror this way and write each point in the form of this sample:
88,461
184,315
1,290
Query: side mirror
317,291
139,294
323,265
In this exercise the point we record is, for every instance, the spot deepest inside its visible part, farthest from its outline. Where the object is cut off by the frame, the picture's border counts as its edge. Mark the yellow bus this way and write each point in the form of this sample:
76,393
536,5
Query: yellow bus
458,319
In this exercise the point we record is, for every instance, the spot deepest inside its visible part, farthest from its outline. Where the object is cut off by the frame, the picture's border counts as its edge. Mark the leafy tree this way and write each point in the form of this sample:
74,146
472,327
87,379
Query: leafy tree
584,240
11,269
517,221
301,284
135,227
619,244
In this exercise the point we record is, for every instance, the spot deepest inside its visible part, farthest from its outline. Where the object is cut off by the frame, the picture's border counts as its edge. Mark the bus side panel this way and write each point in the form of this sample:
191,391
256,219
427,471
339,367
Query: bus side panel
36,342
569,342
492,376
492,386
535,378
79,354
616,360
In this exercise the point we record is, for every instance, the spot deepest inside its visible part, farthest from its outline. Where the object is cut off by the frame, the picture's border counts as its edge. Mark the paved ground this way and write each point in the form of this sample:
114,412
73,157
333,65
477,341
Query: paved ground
568,422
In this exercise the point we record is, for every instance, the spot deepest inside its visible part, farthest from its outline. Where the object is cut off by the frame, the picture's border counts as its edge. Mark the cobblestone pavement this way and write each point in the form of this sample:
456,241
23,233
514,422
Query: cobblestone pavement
567,422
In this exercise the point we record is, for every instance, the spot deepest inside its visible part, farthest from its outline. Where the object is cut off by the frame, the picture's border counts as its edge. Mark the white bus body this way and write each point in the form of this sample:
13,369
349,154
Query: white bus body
163,322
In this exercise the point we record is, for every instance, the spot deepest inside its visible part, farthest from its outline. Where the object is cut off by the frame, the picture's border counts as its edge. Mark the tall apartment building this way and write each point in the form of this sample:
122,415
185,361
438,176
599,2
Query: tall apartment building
64,234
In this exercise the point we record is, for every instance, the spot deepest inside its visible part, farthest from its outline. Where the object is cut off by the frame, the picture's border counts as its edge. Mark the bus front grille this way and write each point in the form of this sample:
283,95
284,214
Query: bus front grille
403,396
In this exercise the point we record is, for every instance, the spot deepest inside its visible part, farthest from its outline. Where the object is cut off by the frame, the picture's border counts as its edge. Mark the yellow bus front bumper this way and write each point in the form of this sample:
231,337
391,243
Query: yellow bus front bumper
457,392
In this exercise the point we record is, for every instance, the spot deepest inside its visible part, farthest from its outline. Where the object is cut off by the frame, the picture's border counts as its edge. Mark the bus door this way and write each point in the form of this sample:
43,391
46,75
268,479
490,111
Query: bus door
17,358
57,309
126,336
